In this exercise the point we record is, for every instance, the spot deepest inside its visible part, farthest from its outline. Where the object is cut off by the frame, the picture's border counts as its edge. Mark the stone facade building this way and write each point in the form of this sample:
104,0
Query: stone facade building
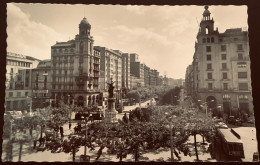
126,70
111,65
41,84
221,68
18,80
75,69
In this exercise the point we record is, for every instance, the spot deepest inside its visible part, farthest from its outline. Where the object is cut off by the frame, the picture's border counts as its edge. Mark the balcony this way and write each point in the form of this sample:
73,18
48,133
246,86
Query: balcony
240,59
221,90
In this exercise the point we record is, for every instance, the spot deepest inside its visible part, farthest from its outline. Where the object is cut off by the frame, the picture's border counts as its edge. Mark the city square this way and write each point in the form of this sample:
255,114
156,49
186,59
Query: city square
80,101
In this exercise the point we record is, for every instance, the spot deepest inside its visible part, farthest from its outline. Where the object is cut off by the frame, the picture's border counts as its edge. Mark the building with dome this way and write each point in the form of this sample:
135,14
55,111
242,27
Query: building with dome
221,68
75,69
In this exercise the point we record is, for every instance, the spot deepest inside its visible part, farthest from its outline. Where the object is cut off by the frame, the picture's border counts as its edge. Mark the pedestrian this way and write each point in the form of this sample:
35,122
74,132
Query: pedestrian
69,125
125,118
79,128
61,131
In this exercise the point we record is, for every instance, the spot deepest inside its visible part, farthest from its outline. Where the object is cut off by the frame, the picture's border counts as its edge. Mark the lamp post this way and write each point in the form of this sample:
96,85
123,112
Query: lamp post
206,103
171,140
30,110
85,147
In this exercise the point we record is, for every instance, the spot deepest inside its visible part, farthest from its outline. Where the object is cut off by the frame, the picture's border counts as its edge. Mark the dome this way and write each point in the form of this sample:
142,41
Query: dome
84,21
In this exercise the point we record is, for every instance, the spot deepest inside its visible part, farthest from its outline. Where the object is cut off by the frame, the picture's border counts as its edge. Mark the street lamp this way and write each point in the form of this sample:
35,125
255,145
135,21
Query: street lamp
85,147
206,103
171,140
30,110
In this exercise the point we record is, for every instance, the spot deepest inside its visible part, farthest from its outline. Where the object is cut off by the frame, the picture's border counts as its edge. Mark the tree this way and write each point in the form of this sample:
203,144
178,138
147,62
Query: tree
134,96
22,137
198,125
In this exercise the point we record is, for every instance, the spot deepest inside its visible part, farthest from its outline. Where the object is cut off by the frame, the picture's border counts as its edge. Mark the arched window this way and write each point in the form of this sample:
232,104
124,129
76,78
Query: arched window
207,30
212,39
208,40
81,47
204,40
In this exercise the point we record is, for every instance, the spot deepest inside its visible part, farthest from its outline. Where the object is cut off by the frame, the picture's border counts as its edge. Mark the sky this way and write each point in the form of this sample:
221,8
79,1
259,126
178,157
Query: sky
163,36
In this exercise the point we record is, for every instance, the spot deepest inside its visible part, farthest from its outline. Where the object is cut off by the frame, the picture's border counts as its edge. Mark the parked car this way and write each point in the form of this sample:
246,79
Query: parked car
234,121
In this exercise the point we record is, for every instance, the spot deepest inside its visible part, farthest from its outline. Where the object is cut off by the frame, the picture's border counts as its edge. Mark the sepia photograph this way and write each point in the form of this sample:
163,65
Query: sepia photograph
128,83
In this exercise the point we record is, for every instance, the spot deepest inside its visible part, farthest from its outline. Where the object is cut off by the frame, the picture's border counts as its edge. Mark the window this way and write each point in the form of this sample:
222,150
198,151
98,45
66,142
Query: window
225,86
11,86
26,93
18,94
240,56
209,66
243,86
209,75
208,40
210,86
12,70
208,48
208,57
81,47
204,40
224,65
10,94
239,47
241,64
212,39
223,48
223,56
224,75
242,74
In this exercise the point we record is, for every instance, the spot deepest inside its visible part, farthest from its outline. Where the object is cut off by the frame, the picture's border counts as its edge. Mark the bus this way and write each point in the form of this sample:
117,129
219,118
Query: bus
230,142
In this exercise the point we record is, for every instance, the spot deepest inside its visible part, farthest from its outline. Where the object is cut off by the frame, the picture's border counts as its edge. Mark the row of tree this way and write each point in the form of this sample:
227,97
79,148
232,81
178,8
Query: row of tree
139,136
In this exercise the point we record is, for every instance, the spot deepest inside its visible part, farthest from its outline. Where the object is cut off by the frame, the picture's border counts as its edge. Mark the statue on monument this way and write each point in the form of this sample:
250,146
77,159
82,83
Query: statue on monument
111,89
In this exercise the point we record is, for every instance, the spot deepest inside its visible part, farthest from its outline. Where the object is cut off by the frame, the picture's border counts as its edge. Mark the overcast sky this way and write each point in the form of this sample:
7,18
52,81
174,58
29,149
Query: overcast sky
163,36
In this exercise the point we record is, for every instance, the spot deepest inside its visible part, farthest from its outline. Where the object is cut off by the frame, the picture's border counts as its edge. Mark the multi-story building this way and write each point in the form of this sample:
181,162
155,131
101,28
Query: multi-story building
152,77
189,80
137,70
221,67
146,75
111,65
134,57
18,81
126,70
41,84
75,69
134,82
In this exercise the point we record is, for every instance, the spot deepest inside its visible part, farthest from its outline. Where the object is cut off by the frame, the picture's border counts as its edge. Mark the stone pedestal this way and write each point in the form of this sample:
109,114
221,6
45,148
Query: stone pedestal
111,113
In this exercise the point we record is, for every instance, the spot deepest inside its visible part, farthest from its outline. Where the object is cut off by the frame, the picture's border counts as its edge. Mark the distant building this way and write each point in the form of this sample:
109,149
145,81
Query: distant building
137,69
18,81
146,75
126,70
75,69
134,57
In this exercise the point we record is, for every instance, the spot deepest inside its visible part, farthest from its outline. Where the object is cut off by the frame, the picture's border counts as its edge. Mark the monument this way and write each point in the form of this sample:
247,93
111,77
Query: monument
110,112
